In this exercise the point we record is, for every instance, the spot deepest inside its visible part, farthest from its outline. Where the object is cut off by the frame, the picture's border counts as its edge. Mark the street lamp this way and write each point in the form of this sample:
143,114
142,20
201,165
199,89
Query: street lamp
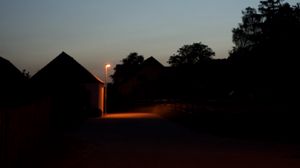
105,88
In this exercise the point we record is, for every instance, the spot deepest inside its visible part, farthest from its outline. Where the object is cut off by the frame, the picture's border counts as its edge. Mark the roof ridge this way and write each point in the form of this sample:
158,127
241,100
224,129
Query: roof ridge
65,65
151,59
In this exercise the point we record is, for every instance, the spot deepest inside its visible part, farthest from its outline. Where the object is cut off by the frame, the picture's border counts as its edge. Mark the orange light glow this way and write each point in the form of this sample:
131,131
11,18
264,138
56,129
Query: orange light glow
107,66
131,116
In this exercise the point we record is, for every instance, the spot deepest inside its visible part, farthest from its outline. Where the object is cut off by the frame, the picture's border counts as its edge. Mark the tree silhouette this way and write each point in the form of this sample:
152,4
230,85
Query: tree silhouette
191,54
267,33
128,67
133,59
26,74
266,48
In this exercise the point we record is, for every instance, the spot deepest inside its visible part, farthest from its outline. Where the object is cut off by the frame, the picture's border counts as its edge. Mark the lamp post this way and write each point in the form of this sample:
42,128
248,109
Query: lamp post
105,88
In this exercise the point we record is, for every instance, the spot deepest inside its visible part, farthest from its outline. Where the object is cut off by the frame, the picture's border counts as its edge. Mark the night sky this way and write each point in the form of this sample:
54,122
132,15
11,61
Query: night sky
95,32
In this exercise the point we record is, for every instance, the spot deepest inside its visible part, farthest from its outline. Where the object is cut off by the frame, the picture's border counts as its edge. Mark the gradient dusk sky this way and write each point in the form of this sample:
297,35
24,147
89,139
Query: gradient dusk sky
95,32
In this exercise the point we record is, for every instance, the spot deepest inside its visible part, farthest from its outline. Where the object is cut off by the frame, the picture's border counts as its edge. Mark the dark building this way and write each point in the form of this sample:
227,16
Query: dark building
11,82
153,82
144,83
75,92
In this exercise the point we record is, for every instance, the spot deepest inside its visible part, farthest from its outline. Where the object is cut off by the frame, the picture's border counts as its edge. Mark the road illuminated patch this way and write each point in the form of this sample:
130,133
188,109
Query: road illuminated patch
130,116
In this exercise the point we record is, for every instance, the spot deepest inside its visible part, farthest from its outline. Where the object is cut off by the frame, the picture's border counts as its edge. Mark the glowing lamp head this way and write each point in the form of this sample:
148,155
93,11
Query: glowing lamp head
107,66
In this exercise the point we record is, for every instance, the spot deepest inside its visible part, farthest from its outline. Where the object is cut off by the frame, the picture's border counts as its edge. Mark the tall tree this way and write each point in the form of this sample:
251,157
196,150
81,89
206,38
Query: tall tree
266,47
270,30
128,67
133,59
191,54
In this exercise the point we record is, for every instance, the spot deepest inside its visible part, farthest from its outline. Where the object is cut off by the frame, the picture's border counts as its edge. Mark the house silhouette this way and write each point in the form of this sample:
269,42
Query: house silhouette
76,93
11,82
8,72
145,83
152,82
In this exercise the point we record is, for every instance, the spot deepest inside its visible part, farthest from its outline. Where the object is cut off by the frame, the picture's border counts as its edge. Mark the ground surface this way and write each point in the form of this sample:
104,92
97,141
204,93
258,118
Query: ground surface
142,140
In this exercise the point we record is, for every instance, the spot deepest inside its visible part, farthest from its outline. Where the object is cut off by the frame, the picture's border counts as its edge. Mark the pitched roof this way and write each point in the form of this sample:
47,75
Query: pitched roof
8,72
65,69
151,61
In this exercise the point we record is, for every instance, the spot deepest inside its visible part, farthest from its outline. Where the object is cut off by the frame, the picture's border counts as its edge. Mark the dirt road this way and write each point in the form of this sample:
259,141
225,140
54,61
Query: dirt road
142,140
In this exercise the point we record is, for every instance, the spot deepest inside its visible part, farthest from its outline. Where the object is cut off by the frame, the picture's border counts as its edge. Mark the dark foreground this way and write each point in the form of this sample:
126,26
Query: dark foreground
146,140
